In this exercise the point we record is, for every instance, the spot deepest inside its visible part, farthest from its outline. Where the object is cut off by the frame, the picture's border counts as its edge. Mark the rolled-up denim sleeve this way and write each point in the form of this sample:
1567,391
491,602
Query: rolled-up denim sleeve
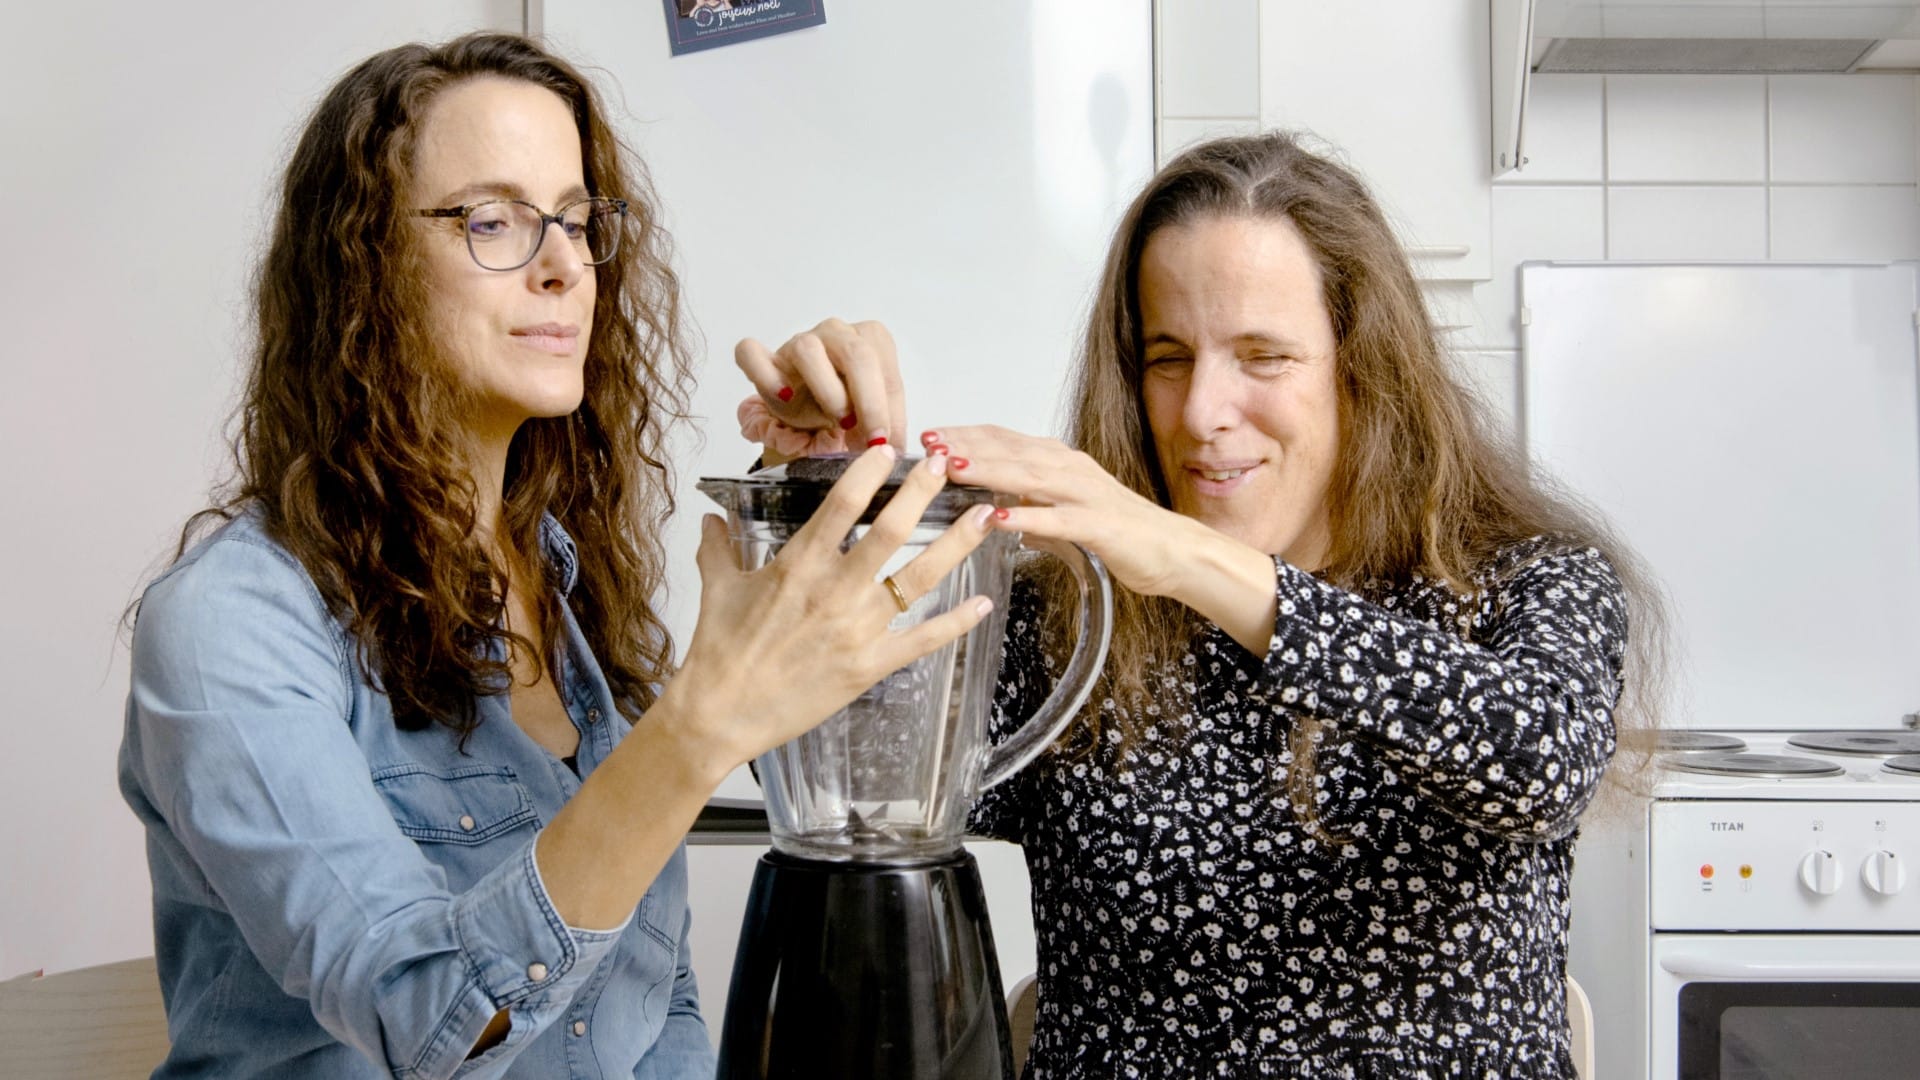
239,735
684,1050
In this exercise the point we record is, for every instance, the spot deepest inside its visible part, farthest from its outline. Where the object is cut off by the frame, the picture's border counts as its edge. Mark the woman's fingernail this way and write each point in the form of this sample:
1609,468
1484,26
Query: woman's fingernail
984,606
980,514
847,422
877,440
786,393
887,449
961,463
937,465
928,438
938,448
1002,513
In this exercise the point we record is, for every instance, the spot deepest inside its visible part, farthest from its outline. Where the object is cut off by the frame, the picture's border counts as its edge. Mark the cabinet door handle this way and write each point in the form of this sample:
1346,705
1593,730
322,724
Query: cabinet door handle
1445,251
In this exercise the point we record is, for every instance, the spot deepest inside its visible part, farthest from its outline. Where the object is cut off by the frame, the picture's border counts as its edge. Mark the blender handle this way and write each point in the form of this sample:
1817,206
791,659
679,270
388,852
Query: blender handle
1075,683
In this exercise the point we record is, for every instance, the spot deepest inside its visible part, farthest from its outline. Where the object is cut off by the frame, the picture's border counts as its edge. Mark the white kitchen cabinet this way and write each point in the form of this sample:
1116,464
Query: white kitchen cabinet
1403,91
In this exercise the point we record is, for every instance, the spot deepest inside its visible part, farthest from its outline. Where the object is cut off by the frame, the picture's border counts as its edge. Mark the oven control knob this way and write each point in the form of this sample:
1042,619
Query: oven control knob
1883,873
1820,873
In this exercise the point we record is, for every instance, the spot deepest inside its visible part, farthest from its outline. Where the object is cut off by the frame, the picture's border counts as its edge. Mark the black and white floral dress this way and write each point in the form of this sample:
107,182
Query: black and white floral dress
1191,925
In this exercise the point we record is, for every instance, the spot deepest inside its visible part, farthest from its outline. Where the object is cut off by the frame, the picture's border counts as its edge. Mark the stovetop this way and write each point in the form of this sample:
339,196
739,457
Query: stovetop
1866,764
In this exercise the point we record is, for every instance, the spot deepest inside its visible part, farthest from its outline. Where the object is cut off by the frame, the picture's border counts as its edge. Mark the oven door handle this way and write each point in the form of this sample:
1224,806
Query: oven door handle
1691,966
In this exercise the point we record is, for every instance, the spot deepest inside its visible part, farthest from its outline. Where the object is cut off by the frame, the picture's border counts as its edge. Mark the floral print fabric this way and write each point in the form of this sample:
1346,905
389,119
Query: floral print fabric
1191,924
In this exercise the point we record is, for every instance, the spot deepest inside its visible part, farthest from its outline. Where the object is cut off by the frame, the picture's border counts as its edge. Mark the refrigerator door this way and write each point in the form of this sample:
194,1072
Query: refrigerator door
1752,430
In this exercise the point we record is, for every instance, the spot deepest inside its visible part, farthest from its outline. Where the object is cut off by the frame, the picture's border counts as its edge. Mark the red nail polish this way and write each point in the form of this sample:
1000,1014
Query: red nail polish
928,438
1002,513
958,463
878,440
786,393
847,422
938,448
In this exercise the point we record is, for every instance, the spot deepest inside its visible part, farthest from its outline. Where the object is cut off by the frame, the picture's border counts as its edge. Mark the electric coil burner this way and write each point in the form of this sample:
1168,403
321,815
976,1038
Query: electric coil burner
1687,742
1773,766
1858,742
1905,765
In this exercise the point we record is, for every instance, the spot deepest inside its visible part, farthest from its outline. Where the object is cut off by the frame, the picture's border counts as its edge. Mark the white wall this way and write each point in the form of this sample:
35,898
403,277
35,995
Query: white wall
140,142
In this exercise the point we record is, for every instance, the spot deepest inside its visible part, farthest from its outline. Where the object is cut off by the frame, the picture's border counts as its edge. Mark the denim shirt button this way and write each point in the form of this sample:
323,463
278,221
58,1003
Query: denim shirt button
593,715
536,971
579,1027
466,822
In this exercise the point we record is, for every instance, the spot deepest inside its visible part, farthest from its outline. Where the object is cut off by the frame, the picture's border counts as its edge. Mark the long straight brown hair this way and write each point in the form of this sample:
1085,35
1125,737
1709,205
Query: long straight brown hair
1422,485
347,440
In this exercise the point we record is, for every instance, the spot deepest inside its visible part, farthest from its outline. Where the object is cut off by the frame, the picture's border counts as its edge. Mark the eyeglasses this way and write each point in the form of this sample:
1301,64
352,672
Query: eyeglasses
505,234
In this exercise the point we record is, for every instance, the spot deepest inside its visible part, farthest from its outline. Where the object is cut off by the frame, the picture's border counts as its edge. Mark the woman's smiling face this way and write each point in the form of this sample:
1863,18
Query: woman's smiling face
1239,383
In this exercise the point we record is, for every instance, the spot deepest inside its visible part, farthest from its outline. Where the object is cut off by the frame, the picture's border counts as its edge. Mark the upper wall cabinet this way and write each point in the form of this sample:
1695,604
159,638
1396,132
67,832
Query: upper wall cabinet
1402,90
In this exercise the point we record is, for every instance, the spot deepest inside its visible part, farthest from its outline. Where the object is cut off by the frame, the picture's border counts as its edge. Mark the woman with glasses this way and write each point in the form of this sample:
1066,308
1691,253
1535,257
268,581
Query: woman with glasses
405,732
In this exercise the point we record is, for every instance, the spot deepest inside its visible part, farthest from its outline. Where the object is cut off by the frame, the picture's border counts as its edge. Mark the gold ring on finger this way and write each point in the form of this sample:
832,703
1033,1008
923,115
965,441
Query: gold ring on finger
899,597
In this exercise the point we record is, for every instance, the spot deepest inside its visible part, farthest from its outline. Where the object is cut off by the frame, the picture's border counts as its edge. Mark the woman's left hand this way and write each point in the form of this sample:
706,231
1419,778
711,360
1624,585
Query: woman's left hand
1067,497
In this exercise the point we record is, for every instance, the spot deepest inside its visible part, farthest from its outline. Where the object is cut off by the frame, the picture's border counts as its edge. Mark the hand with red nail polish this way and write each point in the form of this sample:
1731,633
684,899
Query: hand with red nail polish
836,378
1066,497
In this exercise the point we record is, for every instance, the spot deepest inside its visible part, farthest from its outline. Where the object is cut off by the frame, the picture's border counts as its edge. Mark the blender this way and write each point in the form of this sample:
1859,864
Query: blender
865,950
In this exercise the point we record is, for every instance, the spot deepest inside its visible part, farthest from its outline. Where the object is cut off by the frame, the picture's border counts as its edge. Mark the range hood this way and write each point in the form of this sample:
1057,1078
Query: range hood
1730,37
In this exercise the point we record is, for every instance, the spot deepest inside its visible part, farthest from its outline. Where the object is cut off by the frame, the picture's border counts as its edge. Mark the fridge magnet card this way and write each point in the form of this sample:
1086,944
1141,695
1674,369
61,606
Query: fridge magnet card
693,25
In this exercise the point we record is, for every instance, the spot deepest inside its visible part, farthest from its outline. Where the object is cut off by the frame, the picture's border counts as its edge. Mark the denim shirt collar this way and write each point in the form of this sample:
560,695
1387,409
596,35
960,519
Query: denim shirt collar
562,556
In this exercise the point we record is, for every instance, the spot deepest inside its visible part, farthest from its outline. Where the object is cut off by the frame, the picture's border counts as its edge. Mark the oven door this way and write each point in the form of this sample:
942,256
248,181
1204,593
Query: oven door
1784,1007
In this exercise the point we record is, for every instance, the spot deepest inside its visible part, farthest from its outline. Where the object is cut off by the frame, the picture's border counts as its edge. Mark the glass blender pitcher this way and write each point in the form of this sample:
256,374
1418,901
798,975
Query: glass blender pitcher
889,778
865,950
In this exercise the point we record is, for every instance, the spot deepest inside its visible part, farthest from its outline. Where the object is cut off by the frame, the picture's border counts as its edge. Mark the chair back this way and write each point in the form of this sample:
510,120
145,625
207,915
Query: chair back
1022,1000
1580,1019
97,1023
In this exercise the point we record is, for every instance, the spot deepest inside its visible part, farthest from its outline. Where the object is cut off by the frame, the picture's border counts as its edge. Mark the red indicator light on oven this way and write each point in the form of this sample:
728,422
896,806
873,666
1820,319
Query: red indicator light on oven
1706,870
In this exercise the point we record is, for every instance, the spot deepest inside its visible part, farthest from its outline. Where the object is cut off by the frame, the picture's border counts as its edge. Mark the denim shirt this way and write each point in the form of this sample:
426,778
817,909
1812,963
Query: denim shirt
335,897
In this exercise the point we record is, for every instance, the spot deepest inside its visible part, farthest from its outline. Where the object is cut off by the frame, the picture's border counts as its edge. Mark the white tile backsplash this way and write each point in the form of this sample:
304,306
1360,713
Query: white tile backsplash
1176,134
1562,139
1209,58
1845,223
1687,223
1843,129
1529,223
1705,128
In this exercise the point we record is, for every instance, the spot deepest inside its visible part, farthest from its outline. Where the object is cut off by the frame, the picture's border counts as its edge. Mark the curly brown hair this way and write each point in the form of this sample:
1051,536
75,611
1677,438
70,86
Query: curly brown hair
347,440
1422,484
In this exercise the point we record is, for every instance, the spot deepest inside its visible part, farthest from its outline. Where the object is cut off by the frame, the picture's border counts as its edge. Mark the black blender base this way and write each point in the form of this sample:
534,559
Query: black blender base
851,972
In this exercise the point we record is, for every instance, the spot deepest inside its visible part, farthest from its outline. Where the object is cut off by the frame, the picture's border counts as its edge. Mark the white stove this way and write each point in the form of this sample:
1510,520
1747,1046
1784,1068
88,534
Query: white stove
1760,921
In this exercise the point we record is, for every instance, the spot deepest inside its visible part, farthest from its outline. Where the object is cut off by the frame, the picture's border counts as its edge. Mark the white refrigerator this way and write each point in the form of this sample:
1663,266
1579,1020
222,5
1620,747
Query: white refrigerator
954,170
1753,431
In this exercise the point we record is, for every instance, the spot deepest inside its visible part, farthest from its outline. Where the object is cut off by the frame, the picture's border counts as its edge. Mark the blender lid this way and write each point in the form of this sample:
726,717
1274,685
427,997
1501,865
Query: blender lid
790,493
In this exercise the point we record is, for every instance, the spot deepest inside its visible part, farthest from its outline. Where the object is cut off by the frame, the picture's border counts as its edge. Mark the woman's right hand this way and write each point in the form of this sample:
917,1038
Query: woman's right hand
780,648
838,378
